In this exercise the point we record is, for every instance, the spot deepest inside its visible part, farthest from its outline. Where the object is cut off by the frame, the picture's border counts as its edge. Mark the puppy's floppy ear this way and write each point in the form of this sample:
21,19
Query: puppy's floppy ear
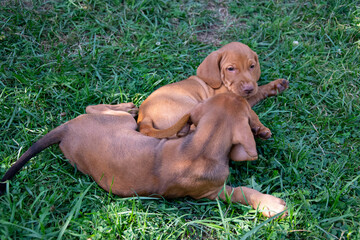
257,69
209,70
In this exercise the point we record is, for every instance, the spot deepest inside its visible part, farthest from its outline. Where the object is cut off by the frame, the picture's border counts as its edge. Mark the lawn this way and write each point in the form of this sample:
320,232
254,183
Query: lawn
57,57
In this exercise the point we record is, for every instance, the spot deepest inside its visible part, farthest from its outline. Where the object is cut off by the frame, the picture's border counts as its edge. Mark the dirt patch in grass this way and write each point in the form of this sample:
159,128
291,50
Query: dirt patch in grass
213,32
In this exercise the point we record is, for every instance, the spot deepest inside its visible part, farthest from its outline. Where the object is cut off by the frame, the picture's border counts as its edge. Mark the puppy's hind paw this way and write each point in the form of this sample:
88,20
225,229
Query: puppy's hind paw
126,107
270,206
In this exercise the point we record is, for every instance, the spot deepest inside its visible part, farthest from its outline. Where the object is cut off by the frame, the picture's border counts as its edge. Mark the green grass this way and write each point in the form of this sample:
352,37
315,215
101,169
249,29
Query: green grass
57,57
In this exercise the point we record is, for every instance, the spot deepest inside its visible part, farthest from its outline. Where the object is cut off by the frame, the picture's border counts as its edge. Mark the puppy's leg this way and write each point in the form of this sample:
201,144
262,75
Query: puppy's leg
268,90
268,204
257,127
113,109
245,147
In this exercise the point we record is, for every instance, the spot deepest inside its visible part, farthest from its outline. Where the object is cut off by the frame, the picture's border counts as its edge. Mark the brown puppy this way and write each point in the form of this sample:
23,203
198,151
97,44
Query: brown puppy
233,68
127,163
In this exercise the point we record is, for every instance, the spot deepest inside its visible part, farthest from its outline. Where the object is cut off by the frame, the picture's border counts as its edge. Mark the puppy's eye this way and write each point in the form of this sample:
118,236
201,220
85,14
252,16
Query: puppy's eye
252,66
231,69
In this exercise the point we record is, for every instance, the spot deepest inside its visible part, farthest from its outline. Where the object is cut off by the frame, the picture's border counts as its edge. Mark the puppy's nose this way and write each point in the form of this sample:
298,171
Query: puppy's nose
248,88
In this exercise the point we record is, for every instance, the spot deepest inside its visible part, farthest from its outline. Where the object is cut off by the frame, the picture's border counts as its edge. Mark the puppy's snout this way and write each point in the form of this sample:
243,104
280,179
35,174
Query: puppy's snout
248,88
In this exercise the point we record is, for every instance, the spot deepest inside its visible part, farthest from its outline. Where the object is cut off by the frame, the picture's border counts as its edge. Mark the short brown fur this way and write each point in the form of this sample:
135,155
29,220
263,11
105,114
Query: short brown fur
122,160
233,68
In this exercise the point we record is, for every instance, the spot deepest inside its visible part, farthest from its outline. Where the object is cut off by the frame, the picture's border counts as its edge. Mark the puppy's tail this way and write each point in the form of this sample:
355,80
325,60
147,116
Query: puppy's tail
180,128
53,137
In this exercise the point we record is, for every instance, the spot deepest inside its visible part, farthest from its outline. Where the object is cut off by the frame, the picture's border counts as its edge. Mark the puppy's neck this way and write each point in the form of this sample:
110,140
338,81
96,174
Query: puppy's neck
209,91
221,89
213,136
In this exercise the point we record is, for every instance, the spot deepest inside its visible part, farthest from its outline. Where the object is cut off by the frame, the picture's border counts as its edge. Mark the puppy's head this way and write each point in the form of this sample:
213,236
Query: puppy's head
235,66
228,114
222,107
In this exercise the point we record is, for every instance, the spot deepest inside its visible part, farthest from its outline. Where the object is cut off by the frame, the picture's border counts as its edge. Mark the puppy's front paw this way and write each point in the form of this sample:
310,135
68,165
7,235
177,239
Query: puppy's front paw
262,132
278,86
281,85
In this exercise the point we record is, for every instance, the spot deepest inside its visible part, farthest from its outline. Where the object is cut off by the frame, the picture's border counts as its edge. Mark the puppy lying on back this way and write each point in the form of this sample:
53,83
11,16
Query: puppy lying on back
119,158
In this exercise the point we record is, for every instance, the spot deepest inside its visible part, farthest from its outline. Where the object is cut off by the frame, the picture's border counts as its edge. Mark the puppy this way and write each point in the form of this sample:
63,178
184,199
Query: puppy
128,163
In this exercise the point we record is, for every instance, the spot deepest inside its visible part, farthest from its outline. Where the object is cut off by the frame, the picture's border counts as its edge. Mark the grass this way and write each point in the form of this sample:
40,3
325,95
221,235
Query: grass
57,57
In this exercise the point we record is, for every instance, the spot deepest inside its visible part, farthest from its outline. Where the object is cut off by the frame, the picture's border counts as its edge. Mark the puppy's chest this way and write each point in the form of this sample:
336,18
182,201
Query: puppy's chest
212,173
198,180
204,172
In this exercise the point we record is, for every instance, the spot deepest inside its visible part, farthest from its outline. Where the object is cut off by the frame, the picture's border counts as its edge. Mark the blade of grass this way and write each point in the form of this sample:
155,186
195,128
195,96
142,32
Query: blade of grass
74,212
